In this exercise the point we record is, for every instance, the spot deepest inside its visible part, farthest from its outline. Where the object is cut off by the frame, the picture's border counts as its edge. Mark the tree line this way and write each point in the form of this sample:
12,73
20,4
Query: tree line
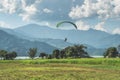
75,51
78,51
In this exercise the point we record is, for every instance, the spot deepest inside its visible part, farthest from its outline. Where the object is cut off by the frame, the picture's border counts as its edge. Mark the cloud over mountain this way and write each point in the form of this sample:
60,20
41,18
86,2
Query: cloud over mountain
3,24
116,31
82,26
100,26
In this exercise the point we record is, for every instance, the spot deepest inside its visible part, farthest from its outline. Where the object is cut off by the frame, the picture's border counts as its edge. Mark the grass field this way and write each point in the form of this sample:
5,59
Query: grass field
63,69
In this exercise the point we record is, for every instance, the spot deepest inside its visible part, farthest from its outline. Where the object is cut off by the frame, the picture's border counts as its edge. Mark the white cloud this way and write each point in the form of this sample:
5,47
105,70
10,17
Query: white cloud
48,24
8,6
4,25
46,10
117,7
116,31
102,8
82,26
28,12
20,7
73,0
100,26
81,11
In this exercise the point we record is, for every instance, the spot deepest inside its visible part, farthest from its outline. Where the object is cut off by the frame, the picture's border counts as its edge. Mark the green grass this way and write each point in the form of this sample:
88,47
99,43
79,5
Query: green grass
60,69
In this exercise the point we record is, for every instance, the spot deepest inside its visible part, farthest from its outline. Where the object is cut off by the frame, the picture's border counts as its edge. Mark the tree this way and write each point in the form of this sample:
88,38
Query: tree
118,49
42,55
13,54
111,52
10,56
70,51
62,54
2,54
32,52
49,56
76,51
56,54
80,51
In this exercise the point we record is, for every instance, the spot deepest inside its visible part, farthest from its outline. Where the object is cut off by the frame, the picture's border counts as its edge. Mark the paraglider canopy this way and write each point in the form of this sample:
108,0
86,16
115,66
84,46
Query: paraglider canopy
66,22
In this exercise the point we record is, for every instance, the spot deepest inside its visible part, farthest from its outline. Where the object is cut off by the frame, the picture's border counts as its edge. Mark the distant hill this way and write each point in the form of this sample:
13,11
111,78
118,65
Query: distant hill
112,40
15,33
21,46
98,39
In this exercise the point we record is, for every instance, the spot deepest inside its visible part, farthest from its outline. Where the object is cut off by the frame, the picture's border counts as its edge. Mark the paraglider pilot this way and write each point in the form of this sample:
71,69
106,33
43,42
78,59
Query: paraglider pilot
65,40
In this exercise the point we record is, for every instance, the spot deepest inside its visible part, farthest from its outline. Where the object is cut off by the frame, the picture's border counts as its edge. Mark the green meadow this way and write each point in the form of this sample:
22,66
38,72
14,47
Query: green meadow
61,69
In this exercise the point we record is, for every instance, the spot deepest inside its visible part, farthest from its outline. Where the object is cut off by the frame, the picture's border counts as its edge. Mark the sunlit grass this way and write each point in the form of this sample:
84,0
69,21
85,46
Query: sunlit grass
60,69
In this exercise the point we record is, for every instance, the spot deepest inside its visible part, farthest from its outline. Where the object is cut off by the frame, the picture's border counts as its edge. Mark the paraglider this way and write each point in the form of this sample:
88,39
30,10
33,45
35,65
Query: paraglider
60,23
66,22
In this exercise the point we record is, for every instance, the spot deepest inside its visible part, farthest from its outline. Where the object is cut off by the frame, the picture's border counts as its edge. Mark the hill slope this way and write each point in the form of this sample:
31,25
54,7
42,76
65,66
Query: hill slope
21,46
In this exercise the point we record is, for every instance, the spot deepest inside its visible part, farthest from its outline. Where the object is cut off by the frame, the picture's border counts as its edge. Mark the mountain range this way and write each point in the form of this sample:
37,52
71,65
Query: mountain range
47,39
95,38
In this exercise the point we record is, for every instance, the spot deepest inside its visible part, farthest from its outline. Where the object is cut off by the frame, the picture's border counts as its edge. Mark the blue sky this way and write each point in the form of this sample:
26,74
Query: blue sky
101,15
